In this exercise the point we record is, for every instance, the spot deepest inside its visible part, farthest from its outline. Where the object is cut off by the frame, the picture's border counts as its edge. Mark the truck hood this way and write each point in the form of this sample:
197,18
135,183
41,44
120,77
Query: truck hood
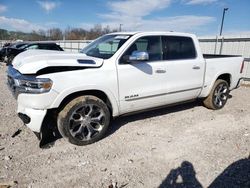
31,61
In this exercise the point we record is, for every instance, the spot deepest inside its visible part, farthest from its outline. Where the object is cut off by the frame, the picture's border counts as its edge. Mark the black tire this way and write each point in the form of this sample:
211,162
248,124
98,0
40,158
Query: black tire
84,120
218,95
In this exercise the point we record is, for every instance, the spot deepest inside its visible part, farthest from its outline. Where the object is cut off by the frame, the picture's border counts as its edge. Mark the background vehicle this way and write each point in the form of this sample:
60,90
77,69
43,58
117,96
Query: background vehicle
13,50
2,51
6,46
118,74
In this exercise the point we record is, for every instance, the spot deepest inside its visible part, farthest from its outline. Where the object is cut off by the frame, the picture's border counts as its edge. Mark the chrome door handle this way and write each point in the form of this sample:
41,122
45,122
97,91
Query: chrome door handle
160,71
196,67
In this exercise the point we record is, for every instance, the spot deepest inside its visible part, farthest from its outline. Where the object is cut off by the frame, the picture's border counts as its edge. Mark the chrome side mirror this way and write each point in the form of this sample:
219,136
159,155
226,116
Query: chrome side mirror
139,56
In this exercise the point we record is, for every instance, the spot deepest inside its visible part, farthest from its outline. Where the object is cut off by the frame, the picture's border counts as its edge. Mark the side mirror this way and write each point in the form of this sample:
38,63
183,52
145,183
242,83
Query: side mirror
138,56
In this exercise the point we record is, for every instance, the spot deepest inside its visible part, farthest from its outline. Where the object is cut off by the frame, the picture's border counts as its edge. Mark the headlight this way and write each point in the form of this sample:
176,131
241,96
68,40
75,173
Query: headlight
34,85
19,83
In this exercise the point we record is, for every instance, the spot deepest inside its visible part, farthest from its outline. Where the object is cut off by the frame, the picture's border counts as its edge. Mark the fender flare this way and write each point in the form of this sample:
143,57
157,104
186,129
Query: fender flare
209,87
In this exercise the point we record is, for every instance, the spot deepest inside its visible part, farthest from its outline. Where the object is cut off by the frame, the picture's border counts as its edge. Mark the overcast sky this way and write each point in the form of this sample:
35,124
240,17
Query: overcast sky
202,17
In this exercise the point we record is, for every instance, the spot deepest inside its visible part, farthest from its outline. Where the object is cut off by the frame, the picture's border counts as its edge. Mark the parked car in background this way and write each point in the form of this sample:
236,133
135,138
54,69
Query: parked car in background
2,52
118,74
11,52
7,46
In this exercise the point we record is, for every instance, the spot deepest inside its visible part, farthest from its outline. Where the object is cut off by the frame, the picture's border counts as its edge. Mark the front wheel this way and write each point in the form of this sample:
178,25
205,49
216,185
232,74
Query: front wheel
218,95
84,120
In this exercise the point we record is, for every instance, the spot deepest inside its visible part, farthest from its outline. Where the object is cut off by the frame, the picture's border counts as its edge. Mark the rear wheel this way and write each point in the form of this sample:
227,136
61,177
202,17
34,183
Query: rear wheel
84,120
218,95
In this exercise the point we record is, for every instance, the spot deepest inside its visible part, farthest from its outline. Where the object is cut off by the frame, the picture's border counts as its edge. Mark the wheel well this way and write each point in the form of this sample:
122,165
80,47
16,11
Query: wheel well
226,77
97,93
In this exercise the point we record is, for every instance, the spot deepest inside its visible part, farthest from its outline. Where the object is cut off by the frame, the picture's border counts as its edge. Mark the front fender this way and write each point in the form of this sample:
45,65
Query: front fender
62,95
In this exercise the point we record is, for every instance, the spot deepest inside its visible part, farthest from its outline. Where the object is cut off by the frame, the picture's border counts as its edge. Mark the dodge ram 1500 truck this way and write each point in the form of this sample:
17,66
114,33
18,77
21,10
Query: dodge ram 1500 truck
117,74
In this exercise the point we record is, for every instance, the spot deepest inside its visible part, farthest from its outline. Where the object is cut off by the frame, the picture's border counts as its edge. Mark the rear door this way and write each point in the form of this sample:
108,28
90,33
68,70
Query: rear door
184,70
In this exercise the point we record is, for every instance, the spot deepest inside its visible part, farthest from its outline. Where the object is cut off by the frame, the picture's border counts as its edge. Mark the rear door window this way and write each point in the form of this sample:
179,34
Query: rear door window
48,46
177,48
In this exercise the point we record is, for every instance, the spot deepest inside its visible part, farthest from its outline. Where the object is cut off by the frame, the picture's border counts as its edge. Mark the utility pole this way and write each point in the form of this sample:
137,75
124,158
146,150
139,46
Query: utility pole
120,28
222,21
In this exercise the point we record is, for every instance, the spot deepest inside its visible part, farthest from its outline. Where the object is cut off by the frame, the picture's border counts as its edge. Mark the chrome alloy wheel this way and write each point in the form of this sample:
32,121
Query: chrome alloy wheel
220,95
86,122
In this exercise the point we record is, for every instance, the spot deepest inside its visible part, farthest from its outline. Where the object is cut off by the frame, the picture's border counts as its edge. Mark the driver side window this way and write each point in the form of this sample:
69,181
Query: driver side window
150,44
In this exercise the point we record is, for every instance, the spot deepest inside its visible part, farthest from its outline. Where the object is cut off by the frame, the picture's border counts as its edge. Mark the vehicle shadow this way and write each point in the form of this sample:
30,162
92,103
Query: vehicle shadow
50,133
236,175
123,120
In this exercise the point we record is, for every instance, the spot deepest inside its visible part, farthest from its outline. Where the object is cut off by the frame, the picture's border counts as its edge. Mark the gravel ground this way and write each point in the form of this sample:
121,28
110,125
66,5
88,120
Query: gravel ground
182,146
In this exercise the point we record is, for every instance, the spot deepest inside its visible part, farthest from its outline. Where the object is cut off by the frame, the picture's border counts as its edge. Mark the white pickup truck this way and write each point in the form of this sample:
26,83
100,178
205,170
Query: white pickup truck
117,74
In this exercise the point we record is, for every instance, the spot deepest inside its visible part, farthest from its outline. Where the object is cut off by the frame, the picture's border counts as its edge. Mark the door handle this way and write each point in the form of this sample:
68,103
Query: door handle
196,67
160,71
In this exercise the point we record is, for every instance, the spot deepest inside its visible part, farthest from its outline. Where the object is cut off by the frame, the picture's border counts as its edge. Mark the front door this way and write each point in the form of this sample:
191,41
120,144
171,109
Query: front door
141,82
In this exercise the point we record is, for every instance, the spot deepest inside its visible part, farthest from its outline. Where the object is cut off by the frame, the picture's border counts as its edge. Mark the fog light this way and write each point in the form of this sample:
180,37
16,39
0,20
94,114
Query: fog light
24,118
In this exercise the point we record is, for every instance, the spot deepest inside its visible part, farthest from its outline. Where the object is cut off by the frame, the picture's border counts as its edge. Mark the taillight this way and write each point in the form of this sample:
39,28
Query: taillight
242,67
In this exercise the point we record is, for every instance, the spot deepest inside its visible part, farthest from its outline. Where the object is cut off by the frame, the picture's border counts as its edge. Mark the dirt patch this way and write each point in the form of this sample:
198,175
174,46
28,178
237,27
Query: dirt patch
183,145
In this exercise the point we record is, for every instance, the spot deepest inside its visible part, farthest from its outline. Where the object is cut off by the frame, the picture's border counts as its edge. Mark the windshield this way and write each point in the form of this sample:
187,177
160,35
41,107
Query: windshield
106,46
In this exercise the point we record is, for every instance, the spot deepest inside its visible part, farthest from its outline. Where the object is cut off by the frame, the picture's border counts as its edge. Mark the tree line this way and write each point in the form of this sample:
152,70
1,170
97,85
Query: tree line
57,34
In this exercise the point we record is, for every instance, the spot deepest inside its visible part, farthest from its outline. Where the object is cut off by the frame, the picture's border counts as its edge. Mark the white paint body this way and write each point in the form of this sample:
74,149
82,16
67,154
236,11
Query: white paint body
179,82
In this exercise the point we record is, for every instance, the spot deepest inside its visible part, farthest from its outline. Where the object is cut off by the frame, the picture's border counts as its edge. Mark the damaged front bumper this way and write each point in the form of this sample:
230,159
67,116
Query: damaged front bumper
32,118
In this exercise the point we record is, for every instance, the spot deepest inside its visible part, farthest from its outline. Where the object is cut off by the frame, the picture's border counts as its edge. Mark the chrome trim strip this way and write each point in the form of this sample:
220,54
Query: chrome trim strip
169,93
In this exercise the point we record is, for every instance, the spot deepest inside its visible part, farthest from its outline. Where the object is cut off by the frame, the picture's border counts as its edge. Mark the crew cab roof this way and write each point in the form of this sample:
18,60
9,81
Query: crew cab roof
153,33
